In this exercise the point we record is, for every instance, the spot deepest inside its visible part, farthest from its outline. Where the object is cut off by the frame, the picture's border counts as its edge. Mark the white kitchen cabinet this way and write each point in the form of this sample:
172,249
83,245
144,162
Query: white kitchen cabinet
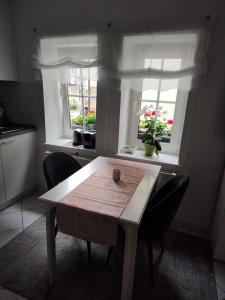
18,164
7,57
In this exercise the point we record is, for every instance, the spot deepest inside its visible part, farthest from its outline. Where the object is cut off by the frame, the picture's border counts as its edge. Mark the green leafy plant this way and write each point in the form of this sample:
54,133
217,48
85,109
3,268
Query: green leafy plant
161,125
149,137
90,120
78,120
73,104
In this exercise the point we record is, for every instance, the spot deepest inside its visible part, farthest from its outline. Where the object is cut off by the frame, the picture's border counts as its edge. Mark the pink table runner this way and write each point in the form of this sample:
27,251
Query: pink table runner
92,210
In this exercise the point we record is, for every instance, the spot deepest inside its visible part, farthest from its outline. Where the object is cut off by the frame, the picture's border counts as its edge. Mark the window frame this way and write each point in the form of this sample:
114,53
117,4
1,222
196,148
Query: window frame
174,146
68,130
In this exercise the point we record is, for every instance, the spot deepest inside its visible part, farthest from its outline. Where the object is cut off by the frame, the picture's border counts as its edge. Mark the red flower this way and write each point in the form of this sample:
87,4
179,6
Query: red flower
153,113
146,114
170,122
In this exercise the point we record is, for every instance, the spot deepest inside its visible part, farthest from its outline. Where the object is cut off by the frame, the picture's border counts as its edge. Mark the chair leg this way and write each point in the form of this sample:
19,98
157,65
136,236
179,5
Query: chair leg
150,259
109,255
89,251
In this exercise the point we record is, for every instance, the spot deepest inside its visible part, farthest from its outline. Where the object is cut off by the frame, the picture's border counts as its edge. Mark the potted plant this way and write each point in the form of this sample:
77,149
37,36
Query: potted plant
151,143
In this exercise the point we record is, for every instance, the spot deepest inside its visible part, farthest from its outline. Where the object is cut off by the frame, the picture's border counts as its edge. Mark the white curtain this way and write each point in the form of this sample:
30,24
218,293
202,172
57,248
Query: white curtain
73,52
168,56
137,61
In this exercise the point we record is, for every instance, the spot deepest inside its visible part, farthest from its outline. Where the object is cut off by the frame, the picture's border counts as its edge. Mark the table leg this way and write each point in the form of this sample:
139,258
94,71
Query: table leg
129,260
50,234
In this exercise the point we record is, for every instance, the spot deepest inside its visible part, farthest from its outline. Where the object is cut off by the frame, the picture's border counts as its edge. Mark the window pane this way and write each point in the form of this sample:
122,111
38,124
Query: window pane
150,89
168,89
93,105
166,111
169,95
89,88
149,95
86,87
76,112
147,113
93,89
147,107
74,89
163,123
172,64
72,76
89,104
75,105
156,63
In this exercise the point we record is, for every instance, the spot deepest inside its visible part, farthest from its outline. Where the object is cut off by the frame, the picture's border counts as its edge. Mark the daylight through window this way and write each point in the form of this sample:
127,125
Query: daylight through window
158,105
81,97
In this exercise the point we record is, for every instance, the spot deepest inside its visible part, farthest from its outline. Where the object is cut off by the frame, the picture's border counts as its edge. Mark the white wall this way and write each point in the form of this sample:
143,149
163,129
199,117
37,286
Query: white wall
207,145
52,106
7,71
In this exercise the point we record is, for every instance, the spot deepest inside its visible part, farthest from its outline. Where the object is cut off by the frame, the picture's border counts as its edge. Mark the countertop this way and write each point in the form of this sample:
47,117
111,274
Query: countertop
22,128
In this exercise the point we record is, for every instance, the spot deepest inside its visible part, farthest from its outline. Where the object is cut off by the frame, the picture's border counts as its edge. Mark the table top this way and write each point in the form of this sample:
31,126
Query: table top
136,206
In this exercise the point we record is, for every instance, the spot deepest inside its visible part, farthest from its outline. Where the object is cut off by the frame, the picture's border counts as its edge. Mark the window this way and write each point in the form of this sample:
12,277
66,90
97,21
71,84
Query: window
77,81
160,99
81,100
154,71
158,105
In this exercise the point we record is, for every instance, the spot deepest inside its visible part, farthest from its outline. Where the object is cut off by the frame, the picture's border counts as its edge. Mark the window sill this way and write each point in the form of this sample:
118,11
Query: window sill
168,160
67,146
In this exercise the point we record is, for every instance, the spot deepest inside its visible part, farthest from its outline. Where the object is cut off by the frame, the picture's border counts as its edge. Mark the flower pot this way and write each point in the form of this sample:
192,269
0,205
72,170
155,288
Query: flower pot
149,150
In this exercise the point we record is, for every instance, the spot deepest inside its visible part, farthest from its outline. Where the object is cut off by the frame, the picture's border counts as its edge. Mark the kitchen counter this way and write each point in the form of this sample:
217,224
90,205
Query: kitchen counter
16,129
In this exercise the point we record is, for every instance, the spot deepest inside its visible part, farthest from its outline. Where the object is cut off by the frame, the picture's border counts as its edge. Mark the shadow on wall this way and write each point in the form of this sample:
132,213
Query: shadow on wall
23,103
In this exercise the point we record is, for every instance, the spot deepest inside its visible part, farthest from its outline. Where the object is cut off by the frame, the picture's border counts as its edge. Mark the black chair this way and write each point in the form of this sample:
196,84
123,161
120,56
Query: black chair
159,215
57,167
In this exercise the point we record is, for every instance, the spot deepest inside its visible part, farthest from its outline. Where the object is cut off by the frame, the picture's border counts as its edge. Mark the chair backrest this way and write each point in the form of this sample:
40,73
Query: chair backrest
57,167
164,205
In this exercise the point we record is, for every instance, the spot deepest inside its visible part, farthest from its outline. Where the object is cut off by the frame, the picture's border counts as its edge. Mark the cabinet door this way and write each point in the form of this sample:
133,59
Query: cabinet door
18,163
7,63
2,190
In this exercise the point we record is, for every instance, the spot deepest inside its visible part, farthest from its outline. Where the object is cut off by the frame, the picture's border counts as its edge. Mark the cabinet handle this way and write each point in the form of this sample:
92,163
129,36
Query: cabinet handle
7,142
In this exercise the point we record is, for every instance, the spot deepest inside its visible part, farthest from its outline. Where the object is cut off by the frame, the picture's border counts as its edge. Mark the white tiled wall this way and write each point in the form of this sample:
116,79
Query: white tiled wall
19,216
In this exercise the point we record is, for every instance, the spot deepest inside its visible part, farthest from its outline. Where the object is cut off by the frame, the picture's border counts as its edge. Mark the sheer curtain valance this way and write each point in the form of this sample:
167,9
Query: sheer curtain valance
136,61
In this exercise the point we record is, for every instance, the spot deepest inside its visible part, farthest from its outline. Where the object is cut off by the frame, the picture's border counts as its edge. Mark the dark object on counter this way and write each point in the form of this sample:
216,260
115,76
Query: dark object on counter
89,139
4,121
77,137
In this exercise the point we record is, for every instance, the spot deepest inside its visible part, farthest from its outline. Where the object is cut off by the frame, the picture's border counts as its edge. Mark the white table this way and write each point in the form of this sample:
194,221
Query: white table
129,219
